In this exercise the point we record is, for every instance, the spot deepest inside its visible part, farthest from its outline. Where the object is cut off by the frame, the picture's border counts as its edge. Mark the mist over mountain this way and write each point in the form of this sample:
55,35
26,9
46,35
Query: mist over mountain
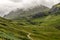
26,13
45,25
8,5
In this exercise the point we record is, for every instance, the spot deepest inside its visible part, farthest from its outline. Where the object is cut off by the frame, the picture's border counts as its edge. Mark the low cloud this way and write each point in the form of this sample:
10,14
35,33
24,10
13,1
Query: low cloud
48,3
16,0
12,4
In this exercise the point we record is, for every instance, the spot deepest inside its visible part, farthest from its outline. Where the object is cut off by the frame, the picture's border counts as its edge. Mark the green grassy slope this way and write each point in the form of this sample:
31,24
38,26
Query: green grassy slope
46,28
41,28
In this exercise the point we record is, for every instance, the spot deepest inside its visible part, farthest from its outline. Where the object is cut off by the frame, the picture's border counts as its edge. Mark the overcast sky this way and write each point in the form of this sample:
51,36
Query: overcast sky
48,3
7,5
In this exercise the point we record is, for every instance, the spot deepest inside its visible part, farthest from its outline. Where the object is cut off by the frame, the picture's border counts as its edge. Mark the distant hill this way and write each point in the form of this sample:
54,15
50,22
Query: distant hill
20,13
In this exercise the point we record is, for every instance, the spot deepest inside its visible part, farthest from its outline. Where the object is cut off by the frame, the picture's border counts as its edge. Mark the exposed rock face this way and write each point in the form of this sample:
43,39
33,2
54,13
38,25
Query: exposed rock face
55,9
40,14
19,13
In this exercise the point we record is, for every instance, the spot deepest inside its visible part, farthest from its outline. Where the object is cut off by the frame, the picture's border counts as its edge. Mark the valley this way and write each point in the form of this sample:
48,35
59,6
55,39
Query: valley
33,27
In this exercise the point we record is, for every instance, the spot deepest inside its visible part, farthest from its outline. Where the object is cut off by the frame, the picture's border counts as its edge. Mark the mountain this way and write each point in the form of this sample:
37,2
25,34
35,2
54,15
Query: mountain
5,9
55,9
26,13
47,28
39,28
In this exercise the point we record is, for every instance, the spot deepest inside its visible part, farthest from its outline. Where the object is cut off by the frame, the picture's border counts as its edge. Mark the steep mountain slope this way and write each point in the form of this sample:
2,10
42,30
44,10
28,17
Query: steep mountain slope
55,9
40,28
47,28
19,13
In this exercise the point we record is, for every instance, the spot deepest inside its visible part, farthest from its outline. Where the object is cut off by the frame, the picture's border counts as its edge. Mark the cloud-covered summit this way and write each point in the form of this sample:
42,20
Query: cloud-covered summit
13,4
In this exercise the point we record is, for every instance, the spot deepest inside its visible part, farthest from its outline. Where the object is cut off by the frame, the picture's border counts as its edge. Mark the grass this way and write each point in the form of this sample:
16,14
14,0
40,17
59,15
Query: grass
46,28
41,28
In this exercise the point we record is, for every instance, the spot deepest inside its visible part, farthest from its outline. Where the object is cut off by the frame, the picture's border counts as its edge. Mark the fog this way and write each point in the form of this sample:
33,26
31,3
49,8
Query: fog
48,3
8,5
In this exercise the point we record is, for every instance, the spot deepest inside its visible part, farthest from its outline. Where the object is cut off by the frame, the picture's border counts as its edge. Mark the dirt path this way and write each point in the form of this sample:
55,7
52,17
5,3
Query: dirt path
29,36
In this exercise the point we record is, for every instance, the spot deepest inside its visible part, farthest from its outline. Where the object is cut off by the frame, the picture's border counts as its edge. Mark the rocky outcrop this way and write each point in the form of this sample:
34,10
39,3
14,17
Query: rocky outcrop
19,13
55,9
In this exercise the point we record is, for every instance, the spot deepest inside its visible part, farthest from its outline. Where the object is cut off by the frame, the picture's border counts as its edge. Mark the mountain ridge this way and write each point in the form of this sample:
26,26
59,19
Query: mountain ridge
38,28
25,13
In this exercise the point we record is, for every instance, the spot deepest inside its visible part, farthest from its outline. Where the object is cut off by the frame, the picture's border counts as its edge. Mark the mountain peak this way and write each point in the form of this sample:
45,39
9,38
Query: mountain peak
19,13
55,9
57,5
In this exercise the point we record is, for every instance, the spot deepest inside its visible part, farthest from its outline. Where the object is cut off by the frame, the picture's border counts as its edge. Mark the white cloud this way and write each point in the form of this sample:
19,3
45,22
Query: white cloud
4,1
48,3
26,3
16,0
